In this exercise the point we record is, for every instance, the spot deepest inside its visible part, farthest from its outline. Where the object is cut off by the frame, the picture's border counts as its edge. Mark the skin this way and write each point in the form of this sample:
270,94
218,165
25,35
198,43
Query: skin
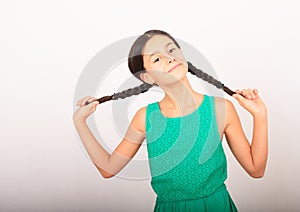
179,100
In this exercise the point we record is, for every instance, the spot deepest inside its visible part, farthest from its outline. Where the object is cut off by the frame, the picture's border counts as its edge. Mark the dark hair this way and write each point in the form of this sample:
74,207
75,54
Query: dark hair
136,66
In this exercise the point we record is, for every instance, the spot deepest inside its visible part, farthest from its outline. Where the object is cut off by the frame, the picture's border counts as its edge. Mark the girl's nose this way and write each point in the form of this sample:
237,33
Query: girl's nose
171,59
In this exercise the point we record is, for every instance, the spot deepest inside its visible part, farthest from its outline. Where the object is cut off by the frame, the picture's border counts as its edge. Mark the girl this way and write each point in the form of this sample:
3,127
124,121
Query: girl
183,131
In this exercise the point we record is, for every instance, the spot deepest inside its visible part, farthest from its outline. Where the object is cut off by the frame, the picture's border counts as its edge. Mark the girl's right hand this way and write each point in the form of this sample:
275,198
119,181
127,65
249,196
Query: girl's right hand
84,111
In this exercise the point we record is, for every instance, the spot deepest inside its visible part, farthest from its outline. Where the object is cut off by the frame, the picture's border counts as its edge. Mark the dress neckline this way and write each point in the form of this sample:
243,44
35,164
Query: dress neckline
189,114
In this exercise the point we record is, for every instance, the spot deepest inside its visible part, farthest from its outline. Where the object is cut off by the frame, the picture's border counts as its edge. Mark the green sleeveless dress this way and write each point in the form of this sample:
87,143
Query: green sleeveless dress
187,162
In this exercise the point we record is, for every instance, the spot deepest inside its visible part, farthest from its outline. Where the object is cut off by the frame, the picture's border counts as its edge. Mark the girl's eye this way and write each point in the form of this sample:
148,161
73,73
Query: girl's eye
171,50
157,59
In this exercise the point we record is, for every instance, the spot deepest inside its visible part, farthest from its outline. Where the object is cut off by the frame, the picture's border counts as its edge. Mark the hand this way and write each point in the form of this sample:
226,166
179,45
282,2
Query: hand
84,111
251,101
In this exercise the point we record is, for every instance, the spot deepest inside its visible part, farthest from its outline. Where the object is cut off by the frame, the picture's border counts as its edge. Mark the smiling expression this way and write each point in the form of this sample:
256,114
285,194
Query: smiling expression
163,61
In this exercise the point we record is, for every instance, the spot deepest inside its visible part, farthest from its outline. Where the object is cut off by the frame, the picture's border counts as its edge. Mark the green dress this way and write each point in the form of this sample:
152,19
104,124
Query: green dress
187,161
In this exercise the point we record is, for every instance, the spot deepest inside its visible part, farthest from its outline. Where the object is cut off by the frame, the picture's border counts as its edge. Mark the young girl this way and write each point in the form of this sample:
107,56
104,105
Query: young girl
183,131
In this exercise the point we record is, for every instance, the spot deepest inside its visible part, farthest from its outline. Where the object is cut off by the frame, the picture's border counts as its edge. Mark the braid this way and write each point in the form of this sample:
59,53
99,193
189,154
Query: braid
123,94
132,91
199,73
145,86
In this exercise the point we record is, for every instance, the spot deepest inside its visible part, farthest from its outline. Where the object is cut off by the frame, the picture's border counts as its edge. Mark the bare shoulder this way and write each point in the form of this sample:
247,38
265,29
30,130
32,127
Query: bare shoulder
220,100
223,102
139,120
224,109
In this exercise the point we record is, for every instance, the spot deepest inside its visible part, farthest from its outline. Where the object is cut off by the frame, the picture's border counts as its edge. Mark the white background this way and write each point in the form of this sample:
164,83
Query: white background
45,45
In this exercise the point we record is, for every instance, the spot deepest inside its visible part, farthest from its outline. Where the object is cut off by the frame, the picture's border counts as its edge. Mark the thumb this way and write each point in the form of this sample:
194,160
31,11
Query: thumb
239,98
92,107
94,103
91,102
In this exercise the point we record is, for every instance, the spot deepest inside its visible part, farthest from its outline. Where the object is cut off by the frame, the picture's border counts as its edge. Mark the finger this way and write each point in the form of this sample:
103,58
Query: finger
254,93
87,102
90,101
93,99
237,91
251,94
93,105
82,100
239,98
243,92
246,93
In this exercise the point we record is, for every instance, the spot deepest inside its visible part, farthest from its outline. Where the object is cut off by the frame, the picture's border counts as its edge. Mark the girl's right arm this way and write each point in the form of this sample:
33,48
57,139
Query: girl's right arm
110,164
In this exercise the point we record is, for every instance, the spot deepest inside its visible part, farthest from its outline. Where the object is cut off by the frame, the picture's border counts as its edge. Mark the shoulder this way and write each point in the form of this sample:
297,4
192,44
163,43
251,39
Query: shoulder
141,112
139,120
225,106
219,102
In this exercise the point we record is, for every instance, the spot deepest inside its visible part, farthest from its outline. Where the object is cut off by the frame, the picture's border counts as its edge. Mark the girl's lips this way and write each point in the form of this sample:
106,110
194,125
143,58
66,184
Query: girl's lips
174,67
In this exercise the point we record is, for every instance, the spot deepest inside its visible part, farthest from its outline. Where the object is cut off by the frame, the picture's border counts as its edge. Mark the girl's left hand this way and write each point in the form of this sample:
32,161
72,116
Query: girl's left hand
251,101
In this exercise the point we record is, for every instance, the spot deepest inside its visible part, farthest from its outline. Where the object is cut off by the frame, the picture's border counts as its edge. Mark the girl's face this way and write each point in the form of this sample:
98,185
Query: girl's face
164,61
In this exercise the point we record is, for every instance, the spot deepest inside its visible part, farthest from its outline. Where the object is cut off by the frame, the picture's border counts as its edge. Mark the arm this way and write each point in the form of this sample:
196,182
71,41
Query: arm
253,158
109,165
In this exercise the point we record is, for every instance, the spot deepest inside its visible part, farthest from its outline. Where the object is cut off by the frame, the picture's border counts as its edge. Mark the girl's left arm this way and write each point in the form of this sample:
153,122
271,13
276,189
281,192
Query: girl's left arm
253,158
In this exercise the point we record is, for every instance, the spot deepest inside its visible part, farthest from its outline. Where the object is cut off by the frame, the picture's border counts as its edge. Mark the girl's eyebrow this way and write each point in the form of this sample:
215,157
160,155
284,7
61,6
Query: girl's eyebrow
158,51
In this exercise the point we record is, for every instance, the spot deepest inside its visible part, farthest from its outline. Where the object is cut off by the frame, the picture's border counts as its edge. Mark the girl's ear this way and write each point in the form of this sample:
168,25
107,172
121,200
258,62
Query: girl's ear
146,78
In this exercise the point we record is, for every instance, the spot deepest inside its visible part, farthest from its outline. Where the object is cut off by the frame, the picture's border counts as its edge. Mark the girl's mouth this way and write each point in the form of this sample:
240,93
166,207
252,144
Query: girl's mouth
174,67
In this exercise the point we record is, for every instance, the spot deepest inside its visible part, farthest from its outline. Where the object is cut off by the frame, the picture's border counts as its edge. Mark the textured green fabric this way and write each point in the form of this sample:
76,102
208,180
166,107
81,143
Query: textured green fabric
187,161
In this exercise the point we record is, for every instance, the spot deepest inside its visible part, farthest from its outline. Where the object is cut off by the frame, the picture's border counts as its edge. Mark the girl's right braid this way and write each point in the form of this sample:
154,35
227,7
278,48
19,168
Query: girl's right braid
123,94
199,73
132,91
145,86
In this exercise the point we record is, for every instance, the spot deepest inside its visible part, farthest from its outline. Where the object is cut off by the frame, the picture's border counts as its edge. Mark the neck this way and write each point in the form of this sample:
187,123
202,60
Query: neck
179,95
